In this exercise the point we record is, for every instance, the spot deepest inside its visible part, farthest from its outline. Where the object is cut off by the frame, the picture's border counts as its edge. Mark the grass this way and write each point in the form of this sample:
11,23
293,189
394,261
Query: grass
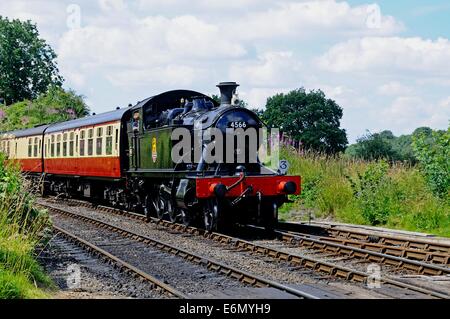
369,193
21,229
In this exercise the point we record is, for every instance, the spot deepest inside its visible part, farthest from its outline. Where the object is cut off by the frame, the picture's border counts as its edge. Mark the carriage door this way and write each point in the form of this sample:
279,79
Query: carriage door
135,137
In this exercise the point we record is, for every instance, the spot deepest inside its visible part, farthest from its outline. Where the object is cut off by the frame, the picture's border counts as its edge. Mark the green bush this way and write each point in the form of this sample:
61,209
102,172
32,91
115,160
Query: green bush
21,229
434,158
371,193
56,105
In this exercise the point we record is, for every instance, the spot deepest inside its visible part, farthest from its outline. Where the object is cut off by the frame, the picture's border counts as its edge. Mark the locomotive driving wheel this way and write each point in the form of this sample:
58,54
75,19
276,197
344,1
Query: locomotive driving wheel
211,214
173,213
186,217
159,205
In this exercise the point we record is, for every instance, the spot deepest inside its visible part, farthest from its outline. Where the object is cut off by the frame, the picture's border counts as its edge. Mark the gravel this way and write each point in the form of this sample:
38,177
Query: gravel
63,260
191,279
253,263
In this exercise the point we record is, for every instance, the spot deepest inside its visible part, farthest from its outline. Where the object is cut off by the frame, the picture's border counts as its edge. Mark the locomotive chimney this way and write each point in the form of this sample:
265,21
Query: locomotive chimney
227,90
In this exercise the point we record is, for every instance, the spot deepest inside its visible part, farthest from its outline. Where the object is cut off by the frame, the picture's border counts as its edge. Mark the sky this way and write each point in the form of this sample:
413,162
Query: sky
386,63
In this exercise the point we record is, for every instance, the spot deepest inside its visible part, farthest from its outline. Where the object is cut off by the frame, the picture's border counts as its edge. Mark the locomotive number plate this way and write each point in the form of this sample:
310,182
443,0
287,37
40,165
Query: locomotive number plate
237,124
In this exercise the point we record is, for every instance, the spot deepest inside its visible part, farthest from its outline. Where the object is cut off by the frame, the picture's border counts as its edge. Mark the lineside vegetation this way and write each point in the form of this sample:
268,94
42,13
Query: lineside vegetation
21,229
378,192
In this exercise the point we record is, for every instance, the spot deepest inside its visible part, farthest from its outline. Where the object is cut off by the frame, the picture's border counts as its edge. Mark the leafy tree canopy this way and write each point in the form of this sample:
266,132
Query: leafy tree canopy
373,146
55,106
433,152
310,118
241,103
27,63
388,146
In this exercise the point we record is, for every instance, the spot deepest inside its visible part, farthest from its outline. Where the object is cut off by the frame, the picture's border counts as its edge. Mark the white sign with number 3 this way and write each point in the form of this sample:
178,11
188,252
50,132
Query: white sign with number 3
283,167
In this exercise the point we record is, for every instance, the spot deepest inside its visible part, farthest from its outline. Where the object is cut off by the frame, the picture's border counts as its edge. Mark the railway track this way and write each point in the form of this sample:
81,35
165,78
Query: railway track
244,278
344,234
402,257
300,261
120,264
418,261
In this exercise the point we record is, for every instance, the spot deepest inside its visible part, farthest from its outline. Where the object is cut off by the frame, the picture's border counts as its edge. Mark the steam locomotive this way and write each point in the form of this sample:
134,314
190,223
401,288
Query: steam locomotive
125,158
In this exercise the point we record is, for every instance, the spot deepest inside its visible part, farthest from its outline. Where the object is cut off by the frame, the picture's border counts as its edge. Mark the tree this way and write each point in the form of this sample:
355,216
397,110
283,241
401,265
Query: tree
402,147
216,98
374,146
310,118
27,62
433,154
55,106
386,145
241,103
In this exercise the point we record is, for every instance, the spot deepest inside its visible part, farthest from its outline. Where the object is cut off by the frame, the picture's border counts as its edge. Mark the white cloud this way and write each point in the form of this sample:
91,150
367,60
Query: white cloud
145,47
394,88
175,76
409,112
306,19
272,69
389,54
112,5
257,97
212,6
149,41
192,36
39,11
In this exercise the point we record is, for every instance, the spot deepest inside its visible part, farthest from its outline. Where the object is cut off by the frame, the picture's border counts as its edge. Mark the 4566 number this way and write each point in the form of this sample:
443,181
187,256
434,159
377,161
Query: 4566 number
238,124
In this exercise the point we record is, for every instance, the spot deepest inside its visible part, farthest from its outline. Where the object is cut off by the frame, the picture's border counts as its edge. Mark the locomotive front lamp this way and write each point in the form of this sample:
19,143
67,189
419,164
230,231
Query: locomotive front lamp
287,187
218,189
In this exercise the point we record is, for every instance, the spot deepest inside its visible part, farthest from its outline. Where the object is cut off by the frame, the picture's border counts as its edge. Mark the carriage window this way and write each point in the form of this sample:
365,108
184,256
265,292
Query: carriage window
52,149
71,143
30,147
90,142
90,146
99,146
76,142
58,146
82,135
109,140
81,147
116,142
99,131
35,147
65,144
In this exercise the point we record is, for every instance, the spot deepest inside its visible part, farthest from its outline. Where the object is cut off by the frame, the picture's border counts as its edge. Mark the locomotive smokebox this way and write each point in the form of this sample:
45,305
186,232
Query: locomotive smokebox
227,90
